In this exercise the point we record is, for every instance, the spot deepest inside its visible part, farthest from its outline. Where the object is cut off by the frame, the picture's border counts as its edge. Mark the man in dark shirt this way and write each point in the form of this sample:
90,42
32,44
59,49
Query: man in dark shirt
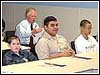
16,55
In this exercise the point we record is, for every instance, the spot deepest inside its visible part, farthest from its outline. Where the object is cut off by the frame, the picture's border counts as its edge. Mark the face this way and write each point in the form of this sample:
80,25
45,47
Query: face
15,45
87,29
52,28
31,16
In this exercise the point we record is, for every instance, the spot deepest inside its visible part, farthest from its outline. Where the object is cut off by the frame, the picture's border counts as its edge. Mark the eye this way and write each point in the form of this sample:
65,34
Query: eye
17,43
13,43
56,24
52,25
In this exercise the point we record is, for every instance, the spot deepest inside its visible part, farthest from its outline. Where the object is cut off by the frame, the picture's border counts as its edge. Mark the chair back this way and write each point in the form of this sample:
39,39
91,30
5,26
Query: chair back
9,34
73,46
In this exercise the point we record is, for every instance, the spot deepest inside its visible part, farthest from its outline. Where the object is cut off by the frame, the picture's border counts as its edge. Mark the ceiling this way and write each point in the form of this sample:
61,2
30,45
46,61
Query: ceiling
80,4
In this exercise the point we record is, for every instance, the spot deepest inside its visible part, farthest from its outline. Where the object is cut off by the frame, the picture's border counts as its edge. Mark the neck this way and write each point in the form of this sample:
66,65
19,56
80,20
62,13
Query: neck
16,52
51,34
85,36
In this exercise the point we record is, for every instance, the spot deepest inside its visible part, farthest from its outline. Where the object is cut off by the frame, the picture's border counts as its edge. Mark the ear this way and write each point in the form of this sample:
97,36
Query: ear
81,28
45,27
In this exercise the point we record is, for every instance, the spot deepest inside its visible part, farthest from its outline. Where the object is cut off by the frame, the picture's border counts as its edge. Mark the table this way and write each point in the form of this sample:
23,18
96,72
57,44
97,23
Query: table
72,65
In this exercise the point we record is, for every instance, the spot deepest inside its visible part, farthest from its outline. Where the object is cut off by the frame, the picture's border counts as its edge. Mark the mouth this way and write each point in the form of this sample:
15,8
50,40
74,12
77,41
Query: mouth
16,48
55,30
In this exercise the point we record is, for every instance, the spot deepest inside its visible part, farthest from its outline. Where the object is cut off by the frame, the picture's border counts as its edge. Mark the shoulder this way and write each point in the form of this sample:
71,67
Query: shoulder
79,38
60,37
92,38
8,53
22,22
43,40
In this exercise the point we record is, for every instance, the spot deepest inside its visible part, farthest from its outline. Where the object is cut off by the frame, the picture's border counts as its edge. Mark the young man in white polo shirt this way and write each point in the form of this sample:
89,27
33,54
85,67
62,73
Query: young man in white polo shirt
85,42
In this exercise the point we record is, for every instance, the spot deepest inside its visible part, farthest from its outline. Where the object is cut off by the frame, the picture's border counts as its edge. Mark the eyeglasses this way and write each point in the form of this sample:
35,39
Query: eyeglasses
53,25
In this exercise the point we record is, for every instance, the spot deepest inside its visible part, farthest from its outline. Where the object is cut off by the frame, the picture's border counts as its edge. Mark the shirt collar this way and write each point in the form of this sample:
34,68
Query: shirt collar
12,53
46,35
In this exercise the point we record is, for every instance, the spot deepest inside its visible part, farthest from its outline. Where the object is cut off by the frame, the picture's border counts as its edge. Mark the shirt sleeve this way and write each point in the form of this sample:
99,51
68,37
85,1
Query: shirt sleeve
95,43
22,31
31,57
42,49
35,25
63,43
77,46
7,60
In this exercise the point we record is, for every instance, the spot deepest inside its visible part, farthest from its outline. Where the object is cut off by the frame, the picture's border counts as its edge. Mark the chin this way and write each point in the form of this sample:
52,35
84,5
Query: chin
53,34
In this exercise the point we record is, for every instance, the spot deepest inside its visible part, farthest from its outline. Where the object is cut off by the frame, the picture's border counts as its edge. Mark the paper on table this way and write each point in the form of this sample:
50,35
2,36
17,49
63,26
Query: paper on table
55,64
87,58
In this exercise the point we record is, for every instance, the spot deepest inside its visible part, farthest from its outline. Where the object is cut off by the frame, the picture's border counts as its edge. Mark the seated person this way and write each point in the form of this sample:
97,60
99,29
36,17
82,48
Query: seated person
85,42
27,30
3,28
3,25
16,55
28,27
50,44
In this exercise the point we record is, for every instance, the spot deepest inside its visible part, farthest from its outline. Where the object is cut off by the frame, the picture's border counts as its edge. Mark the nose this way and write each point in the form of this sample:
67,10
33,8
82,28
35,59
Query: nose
16,45
33,17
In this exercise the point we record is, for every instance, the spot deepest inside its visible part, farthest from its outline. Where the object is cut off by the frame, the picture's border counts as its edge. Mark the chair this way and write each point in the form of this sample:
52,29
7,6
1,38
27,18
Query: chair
73,46
95,36
9,34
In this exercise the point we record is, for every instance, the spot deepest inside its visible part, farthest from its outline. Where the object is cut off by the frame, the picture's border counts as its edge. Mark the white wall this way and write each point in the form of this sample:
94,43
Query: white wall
68,18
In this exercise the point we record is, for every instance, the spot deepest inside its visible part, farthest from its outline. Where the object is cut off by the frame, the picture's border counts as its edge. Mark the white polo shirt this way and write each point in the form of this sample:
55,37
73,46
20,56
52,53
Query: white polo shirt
83,45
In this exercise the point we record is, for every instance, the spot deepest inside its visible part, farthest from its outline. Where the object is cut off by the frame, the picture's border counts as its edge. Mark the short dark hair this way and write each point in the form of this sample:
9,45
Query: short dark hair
48,19
12,38
84,22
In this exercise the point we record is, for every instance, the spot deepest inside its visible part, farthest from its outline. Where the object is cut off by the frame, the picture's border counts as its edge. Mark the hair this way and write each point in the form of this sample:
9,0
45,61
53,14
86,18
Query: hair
3,25
12,38
28,10
84,22
48,19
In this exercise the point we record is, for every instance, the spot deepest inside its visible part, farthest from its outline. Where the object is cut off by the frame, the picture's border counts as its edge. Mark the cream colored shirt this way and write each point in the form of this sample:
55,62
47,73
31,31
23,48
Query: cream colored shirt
49,45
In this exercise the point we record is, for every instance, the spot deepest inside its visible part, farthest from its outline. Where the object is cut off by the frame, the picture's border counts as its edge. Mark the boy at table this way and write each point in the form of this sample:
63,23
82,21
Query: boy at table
16,55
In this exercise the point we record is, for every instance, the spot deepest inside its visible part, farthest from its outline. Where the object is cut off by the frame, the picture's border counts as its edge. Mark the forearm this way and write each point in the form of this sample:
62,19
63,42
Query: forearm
60,54
66,53
37,30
